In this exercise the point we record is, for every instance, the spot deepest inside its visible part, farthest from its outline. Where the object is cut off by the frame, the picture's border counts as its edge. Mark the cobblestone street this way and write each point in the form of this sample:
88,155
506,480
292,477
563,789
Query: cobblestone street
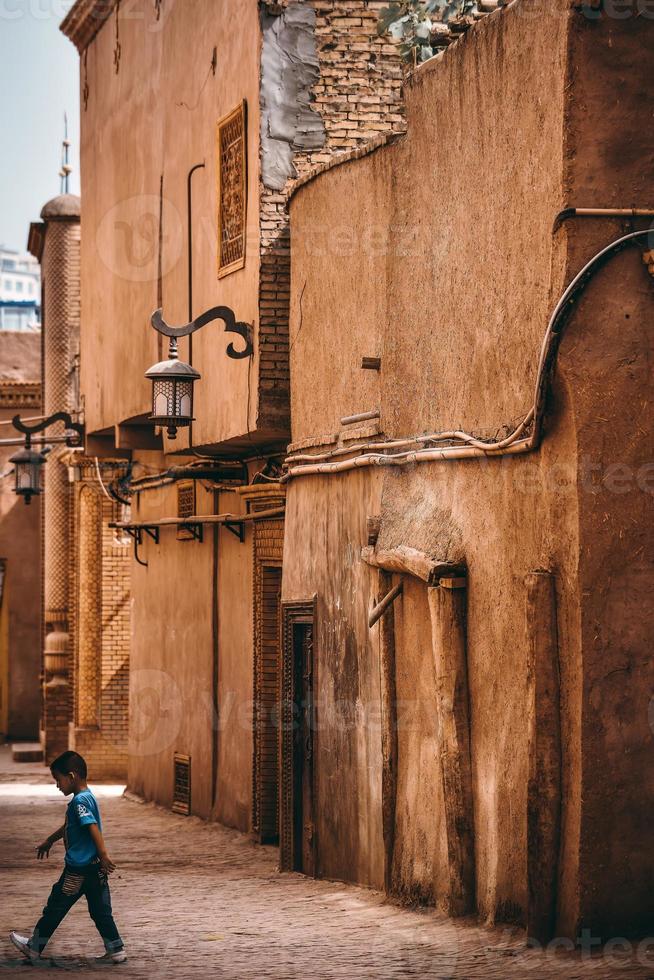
193,899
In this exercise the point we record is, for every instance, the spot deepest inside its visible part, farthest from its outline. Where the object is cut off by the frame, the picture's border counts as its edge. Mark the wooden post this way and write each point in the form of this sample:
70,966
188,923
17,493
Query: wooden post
448,618
388,731
544,732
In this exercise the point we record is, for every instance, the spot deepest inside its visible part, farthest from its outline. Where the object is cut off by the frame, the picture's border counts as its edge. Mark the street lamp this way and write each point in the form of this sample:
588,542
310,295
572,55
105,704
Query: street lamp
27,472
173,380
28,463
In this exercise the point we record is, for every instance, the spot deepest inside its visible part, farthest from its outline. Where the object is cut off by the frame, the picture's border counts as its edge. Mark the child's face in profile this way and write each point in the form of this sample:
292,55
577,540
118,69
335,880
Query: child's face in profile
65,782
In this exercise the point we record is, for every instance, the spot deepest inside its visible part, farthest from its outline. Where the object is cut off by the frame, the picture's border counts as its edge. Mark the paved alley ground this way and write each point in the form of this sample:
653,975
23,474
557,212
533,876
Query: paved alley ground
196,900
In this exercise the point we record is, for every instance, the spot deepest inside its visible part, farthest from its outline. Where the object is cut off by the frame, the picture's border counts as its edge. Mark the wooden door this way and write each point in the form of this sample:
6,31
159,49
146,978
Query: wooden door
298,740
303,816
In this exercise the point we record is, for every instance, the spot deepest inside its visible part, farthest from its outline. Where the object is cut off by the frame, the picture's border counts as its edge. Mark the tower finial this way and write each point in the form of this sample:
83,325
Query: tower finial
66,169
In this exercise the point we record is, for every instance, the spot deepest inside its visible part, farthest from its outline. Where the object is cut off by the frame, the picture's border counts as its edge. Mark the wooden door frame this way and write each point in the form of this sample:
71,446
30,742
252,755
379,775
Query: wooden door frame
296,613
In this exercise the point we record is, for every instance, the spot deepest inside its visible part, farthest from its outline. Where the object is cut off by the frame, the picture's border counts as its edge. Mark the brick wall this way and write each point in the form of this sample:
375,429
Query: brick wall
359,97
103,743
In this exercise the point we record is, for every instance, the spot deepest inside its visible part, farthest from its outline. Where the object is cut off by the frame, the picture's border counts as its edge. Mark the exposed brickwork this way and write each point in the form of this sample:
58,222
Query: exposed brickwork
101,676
60,269
359,96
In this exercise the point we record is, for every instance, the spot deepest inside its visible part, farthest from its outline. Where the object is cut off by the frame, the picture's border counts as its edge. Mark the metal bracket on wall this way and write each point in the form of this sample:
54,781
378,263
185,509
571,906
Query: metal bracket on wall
237,528
137,534
196,530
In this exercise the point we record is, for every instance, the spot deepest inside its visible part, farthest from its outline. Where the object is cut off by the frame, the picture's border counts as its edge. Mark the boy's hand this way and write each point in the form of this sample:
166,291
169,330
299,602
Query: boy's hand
43,850
107,864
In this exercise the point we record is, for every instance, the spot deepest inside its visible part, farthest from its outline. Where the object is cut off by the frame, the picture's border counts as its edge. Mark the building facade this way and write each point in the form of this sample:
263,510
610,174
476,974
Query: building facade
20,291
20,554
485,745
85,613
262,92
381,610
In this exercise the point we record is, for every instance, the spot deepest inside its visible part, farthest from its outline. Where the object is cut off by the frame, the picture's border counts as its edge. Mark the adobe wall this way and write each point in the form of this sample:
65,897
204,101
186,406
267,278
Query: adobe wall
151,113
609,163
172,690
438,255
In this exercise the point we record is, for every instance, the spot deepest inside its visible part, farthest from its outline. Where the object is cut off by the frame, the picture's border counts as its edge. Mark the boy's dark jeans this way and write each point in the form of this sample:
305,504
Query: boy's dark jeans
96,889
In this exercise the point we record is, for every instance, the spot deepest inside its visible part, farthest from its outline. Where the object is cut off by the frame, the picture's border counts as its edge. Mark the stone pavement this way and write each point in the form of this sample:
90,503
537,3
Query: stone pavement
196,900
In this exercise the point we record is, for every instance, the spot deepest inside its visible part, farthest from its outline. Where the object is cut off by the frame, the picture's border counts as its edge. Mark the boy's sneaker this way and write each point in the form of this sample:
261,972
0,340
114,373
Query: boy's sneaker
119,957
23,944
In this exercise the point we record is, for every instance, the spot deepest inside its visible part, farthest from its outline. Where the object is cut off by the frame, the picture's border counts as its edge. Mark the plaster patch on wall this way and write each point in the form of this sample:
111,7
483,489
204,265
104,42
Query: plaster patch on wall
289,70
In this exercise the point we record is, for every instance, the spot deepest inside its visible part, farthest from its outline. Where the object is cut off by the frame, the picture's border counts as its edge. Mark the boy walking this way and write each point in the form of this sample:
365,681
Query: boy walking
86,869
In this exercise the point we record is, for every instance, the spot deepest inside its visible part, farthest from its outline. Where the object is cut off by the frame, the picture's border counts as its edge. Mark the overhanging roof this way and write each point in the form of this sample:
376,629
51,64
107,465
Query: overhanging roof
84,20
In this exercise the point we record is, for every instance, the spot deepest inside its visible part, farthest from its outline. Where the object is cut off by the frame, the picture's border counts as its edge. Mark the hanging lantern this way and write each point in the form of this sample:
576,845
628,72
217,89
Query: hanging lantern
27,472
172,392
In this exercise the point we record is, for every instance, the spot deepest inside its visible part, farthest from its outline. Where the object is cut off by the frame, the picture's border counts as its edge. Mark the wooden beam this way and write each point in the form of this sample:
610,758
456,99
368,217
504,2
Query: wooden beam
388,732
408,561
448,620
544,734
383,605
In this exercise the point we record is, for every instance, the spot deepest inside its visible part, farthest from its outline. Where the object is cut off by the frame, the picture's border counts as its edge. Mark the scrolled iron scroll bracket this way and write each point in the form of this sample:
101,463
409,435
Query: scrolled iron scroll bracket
73,442
223,313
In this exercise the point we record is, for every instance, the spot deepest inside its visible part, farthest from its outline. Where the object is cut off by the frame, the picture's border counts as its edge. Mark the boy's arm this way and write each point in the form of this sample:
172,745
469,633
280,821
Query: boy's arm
43,850
106,863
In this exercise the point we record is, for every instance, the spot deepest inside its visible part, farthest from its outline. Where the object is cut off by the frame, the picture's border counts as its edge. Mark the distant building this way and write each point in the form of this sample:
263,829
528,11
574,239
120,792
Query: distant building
20,291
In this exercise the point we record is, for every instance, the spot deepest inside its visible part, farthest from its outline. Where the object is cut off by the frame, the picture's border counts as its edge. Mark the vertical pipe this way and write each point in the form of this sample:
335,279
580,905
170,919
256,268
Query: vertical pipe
389,744
544,734
189,259
215,651
447,606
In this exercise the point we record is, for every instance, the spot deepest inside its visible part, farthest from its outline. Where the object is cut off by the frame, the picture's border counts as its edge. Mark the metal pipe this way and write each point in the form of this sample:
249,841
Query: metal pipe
568,213
189,215
381,607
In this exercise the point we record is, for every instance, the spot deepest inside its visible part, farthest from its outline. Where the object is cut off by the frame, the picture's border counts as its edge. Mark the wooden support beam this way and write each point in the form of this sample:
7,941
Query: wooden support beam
388,732
381,607
544,734
448,620
408,561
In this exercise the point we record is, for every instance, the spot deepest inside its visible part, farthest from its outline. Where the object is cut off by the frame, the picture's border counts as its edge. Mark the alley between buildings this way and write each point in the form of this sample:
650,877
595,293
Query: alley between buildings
195,899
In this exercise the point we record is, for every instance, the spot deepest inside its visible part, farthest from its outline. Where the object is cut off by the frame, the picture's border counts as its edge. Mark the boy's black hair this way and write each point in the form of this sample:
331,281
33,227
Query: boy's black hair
69,762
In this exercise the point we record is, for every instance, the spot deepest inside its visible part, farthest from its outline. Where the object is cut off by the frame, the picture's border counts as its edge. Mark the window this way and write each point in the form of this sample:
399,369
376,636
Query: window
19,286
232,190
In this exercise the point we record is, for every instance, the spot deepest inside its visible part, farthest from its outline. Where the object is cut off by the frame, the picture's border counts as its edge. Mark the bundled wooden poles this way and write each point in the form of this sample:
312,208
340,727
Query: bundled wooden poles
448,620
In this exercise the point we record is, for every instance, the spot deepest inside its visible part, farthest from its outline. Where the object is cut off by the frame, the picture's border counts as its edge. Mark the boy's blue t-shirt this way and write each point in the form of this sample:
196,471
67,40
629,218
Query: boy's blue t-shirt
82,811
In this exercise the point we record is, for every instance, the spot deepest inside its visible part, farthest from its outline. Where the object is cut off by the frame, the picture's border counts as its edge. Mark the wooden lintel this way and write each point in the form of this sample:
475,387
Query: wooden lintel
408,561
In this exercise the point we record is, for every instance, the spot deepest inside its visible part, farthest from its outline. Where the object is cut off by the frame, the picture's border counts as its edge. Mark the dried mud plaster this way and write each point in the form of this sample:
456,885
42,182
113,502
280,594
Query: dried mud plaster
289,70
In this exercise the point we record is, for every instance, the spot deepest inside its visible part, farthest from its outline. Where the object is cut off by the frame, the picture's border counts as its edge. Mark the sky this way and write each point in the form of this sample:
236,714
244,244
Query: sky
39,72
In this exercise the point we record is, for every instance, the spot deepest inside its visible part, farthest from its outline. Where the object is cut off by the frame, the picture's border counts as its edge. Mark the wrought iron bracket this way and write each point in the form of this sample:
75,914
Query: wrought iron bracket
136,533
223,313
237,528
30,430
196,530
